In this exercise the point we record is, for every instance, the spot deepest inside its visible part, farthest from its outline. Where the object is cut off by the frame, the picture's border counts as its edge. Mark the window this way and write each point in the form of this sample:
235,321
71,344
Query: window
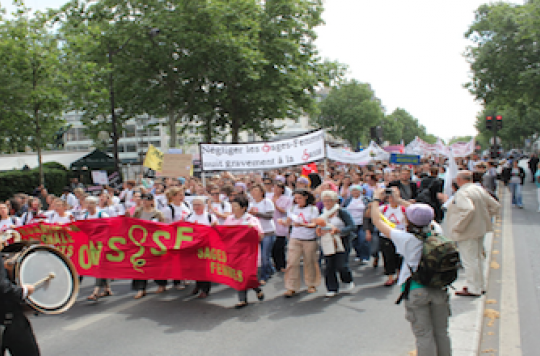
131,148
71,135
129,131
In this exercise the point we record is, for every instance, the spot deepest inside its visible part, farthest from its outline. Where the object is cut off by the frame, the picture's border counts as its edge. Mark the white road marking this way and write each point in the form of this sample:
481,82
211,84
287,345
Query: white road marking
509,333
94,318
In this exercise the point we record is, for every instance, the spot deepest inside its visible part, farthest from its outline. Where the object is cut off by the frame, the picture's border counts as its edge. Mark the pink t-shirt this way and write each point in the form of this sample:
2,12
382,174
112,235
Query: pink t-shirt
246,219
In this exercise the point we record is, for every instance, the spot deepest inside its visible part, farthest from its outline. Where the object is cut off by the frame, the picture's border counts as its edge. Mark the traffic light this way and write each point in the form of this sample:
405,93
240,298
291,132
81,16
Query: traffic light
498,122
489,123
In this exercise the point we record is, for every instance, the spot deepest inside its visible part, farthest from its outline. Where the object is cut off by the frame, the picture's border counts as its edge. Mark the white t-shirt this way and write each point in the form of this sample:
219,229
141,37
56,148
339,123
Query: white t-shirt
160,201
28,218
356,208
71,199
264,206
78,212
304,215
180,212
410,247
395,215
100,214
57,219
109,210
221,208
204,219
6,224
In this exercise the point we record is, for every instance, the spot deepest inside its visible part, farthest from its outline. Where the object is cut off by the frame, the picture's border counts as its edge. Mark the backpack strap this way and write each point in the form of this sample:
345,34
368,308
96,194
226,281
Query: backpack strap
99,214
385,209
406,289
172,211
209,218
403,209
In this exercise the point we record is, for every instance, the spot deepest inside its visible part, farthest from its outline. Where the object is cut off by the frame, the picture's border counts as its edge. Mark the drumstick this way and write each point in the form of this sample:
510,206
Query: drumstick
43,280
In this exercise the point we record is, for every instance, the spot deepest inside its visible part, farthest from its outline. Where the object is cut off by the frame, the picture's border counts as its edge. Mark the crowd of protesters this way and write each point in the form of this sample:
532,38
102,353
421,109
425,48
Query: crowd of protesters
290,208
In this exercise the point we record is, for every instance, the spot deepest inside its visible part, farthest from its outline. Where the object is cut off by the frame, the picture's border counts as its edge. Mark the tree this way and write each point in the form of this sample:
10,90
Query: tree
504,62
349,111
460,139
411,128
33,74
392,129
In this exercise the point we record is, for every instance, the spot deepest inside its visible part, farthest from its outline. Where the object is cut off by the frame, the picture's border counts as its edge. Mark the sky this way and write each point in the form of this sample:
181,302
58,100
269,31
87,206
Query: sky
411,52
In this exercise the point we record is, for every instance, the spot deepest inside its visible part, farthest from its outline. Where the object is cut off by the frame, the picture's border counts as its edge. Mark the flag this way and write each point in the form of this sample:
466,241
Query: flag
153,159
451,173
309,168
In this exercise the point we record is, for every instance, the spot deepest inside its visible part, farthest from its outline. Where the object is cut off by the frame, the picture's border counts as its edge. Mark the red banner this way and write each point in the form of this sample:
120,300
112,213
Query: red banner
126,248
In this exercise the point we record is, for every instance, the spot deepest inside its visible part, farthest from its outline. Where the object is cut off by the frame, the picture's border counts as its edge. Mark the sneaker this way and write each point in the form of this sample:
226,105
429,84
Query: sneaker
521,206
330,294
357,259
348,287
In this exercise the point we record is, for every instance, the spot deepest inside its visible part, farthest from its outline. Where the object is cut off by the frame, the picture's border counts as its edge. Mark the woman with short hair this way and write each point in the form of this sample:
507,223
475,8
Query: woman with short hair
240,216
146,212
263,209
335,228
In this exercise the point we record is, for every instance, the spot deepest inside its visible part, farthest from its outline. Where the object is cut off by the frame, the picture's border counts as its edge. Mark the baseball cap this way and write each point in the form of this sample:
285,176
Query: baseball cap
419,214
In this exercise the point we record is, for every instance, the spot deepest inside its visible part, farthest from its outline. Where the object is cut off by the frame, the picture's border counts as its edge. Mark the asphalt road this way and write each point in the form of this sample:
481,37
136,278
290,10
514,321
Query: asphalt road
364,322
525,228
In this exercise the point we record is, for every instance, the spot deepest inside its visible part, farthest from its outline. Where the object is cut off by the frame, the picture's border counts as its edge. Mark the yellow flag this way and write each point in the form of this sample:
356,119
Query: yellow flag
153,159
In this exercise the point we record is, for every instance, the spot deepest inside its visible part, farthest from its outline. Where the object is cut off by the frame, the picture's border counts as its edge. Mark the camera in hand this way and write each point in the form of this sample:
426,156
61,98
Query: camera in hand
388,191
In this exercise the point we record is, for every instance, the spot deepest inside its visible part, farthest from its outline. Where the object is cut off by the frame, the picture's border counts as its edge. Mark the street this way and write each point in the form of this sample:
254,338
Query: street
516,296
365,322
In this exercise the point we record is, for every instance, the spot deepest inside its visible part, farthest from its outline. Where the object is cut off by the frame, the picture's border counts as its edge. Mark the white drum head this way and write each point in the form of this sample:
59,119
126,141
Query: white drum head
55,295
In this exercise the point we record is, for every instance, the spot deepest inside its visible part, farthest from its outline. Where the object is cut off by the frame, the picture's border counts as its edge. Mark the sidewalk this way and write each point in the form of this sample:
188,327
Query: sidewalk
467,317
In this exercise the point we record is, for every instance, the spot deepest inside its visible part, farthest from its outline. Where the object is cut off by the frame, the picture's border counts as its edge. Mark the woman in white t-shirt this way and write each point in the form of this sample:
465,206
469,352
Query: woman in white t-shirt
302,244
220,208
202,217
282,204
263,209
60,215
34,213
177,209
106,205
92,212
240,216
395,213
6,222
426,308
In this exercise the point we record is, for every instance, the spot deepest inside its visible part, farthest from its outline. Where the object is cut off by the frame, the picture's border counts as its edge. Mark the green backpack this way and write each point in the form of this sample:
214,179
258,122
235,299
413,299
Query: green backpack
439,264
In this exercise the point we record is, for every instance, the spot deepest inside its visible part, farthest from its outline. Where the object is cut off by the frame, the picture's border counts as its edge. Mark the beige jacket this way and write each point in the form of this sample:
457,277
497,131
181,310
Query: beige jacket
469,214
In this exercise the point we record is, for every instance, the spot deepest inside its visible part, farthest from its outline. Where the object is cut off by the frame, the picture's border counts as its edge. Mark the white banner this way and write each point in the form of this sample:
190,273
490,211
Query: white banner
372,153
295,151
463,149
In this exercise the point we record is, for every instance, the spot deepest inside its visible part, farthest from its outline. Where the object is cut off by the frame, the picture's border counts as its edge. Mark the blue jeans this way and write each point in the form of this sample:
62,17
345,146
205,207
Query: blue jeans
267,270
515,188
361,246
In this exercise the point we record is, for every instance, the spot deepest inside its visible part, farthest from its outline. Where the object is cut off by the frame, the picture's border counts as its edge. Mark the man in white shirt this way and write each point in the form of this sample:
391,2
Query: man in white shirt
69,198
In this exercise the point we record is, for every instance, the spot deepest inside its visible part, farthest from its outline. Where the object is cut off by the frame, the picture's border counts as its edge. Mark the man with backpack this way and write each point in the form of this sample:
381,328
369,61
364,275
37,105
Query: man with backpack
430,186
423,286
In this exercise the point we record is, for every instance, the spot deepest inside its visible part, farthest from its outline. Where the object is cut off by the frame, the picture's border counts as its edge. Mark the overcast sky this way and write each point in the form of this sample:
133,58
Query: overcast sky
409,51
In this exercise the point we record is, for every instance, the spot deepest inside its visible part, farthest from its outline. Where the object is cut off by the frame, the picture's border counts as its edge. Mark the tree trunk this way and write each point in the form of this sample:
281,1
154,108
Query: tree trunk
38,147
235,130
208,130
115,137
172,119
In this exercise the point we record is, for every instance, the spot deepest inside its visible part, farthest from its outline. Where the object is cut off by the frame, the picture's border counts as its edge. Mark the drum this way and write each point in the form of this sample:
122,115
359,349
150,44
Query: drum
32,264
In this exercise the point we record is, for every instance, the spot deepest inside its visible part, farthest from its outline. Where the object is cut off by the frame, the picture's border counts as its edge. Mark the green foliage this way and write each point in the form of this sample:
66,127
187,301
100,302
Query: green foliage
349,111
32,95
504,61
460,139
54,165
13,182
222,66
409,128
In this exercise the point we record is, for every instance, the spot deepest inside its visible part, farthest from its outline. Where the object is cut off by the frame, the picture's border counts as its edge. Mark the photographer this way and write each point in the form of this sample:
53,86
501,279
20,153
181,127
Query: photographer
427,309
